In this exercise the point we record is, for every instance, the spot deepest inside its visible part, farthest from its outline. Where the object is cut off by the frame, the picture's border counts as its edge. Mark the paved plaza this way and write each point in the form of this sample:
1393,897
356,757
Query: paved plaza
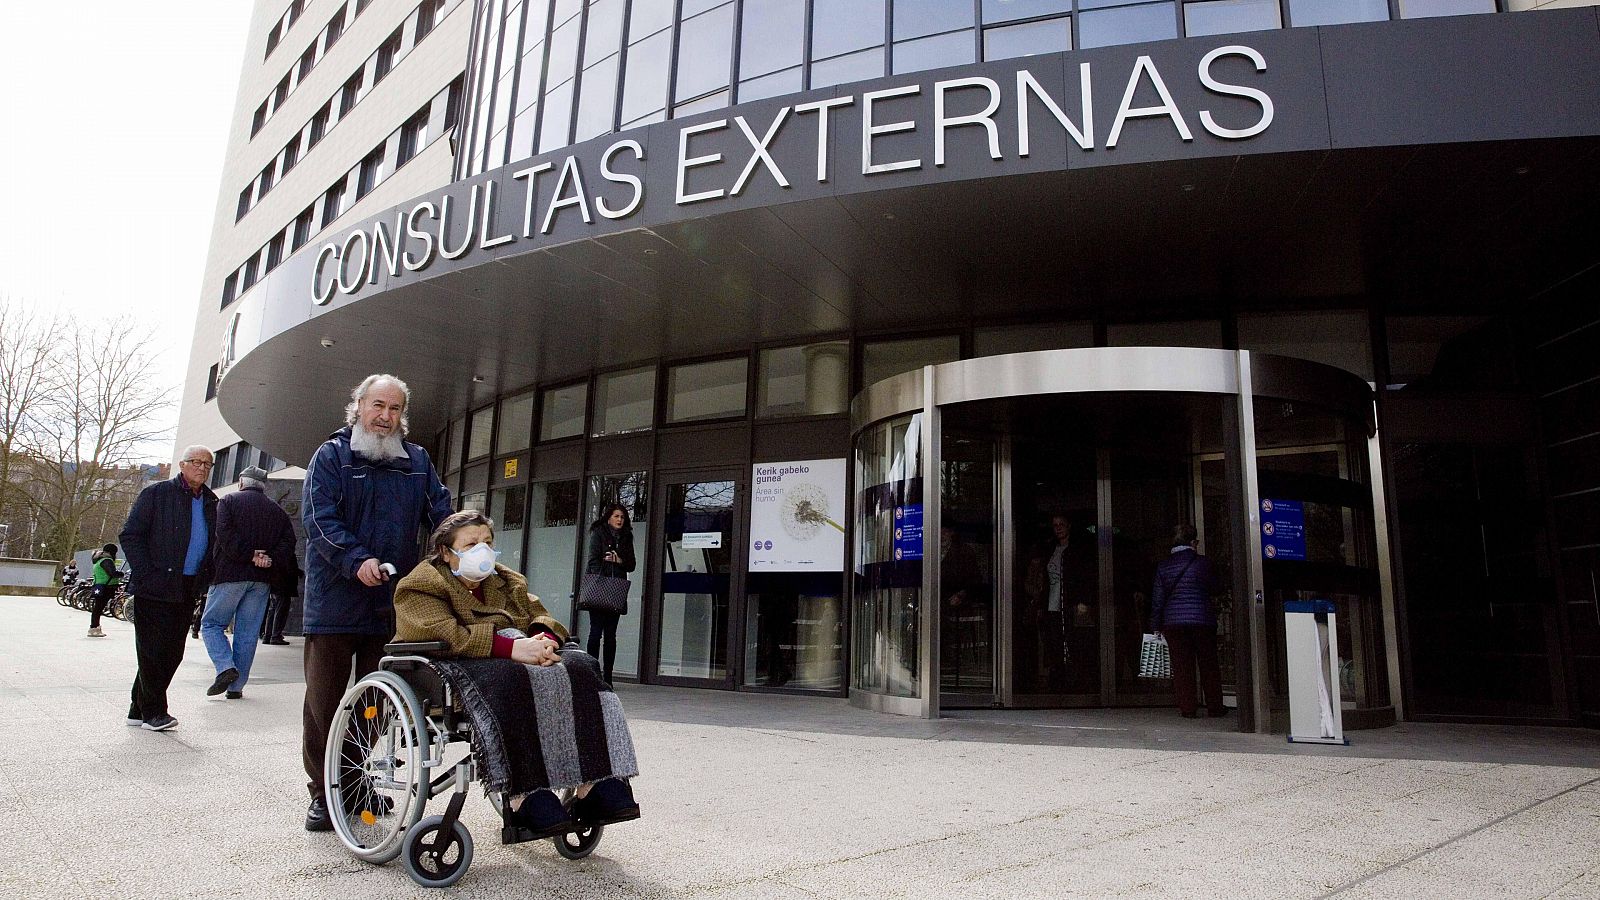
789,797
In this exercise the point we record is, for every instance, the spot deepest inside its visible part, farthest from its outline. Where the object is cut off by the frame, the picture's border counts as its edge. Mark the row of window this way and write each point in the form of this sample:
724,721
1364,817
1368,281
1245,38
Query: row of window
434,119
281,26
357,86
292,79
548,73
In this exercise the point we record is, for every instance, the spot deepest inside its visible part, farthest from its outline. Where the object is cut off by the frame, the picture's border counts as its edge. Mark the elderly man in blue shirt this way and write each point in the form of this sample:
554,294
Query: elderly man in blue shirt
165,541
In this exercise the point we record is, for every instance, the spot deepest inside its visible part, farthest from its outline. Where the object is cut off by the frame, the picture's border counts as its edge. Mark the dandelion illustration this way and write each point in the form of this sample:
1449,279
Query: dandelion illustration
805,511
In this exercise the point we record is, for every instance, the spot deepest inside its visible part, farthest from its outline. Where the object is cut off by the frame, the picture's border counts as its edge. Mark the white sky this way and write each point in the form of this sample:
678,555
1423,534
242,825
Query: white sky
117,119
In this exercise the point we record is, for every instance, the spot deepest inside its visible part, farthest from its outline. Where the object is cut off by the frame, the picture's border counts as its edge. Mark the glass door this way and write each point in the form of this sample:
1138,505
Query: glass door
697,578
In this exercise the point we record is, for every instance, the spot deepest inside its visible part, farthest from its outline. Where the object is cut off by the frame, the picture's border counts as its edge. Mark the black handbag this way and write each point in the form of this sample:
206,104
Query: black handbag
603,593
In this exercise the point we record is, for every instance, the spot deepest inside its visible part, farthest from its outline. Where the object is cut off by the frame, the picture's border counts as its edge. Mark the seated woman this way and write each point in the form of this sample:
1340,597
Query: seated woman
480,609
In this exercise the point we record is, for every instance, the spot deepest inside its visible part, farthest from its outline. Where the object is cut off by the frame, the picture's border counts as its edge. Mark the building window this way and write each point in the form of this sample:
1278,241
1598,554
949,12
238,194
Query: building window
644,87
350,93
361,5
308,60
371,172
1013,10
1419,9
1337,12
950,49
266,179
230,287
211,383
809,380
291,153
427,17
274,36
302,227
885,359
624,401
771,39
1230,16
280,93
219,471
452,104
333,202
241,457
708,390
388,51
333,31
413,136
258,119
705,53
480,432
319,124
244,201
563,411
1126,25
249,279
274,252
516,423
1028,38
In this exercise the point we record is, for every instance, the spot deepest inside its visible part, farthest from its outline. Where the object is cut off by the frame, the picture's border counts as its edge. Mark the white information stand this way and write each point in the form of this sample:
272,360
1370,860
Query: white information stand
1311,645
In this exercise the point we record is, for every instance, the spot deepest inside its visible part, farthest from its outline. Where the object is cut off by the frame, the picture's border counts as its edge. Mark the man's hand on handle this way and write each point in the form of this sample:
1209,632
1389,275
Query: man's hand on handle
370,573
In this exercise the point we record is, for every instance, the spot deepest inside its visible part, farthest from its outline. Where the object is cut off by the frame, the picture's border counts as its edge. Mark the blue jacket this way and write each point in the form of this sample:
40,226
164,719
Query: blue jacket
357,509
1185,584
155,540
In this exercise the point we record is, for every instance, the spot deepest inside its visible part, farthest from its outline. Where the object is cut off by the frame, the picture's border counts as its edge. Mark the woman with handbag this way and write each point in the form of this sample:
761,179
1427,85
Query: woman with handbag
1183,609
610,560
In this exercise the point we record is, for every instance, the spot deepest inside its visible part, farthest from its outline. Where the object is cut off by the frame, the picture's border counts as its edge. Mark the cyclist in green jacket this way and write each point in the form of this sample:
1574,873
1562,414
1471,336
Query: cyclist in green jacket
106,579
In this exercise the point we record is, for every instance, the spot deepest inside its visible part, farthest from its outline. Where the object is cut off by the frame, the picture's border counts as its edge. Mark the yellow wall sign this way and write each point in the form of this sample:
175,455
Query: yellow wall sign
511,468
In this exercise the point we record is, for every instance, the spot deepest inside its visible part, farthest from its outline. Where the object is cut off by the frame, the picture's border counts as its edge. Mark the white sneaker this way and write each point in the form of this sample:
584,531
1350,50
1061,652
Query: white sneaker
97,632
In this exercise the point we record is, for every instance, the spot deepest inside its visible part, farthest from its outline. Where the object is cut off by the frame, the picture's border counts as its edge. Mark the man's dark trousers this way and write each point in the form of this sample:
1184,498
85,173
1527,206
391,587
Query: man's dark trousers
329,659
159,630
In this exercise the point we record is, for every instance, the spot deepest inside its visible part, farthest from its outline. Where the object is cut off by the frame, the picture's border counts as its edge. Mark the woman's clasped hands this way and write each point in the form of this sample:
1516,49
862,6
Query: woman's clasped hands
541,650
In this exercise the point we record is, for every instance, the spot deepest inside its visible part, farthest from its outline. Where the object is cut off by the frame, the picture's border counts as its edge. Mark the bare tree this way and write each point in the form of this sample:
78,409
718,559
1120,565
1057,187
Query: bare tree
26,343
101,415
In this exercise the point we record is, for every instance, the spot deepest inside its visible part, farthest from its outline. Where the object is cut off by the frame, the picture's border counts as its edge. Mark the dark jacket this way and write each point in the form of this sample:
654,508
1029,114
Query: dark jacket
356,509
155,540
1185,584
248,520
603,539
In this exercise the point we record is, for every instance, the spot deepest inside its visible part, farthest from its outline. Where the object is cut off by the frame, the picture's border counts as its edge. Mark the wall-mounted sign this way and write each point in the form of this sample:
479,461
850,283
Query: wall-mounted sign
1283,529
908,532
701,540
797,516
510,470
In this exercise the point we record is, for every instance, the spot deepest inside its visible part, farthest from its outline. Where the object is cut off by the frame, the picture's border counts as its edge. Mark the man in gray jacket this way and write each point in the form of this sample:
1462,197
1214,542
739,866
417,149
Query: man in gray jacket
254,534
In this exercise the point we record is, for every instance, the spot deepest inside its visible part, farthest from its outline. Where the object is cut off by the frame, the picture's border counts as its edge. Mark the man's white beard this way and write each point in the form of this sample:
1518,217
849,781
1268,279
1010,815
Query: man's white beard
375,446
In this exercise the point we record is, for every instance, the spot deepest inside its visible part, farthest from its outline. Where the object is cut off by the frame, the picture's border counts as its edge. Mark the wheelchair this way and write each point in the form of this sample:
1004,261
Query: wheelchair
394,744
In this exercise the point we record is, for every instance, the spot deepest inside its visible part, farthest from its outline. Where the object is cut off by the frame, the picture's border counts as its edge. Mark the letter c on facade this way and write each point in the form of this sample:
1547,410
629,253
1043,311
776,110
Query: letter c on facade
318,296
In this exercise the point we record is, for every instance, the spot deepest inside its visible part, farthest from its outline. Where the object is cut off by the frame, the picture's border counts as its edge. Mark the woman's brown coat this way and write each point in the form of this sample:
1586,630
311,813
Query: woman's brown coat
430,604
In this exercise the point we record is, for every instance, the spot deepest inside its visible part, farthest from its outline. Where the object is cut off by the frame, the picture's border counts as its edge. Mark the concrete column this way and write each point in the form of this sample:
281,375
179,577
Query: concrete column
827,378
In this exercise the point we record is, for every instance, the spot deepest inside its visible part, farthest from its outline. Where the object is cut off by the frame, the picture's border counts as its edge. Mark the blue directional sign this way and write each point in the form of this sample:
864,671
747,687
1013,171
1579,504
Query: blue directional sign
1283,529
908,532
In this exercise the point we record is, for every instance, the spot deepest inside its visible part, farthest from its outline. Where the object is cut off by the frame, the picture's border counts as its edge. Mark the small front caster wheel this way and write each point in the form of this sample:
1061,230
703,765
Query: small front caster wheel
435,857
578,844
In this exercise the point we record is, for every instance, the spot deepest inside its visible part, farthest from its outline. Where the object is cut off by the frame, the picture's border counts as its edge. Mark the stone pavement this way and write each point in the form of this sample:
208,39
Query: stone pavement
789,797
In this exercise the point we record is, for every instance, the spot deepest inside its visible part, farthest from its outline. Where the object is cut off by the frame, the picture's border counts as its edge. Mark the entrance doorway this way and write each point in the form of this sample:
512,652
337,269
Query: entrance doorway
696,580
1056,511
1018,571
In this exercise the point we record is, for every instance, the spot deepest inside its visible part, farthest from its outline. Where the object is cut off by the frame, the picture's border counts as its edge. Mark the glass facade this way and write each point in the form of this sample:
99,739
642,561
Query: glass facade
548,73
887,593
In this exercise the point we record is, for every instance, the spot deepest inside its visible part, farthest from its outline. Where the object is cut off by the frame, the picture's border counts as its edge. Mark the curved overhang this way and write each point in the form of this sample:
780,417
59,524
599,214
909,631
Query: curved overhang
1437,163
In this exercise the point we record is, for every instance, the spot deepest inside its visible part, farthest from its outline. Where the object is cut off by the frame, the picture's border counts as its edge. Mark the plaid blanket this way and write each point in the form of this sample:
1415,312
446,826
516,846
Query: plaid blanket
542,727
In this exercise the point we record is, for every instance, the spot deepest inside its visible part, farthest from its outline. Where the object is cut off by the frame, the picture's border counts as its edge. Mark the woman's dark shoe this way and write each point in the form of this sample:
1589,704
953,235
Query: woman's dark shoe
607,803
541,815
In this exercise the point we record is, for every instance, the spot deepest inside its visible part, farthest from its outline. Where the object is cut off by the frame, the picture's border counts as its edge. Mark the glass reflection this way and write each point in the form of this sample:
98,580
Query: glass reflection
1229,16
915,18
1027,39
951,49
888,580
1335,12
1011,10
840,26
771,37
1129,25
705,51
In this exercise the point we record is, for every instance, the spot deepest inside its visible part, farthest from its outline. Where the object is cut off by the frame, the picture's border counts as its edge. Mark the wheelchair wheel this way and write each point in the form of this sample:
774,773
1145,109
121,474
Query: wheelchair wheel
578,844
435,858
376,786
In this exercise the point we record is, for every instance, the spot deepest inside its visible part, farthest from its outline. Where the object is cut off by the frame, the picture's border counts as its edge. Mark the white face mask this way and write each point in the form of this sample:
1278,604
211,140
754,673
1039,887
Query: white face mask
475,563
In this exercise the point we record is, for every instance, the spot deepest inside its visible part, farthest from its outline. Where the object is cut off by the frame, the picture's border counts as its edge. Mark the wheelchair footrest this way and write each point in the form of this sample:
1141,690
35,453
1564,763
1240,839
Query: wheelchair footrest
513,834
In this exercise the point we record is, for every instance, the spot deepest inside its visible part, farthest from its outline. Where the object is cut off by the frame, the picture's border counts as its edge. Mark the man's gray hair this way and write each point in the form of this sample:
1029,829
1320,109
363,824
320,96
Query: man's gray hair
187,451
352,409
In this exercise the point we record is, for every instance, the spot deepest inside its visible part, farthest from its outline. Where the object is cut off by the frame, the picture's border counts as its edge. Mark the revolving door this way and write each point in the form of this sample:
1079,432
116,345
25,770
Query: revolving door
1010,512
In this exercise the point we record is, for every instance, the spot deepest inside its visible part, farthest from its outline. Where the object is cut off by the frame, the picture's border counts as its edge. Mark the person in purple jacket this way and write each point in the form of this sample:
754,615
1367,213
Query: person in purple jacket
1183,608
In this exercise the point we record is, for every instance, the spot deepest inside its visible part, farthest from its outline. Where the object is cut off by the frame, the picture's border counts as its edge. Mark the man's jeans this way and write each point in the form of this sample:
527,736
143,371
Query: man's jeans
245,604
